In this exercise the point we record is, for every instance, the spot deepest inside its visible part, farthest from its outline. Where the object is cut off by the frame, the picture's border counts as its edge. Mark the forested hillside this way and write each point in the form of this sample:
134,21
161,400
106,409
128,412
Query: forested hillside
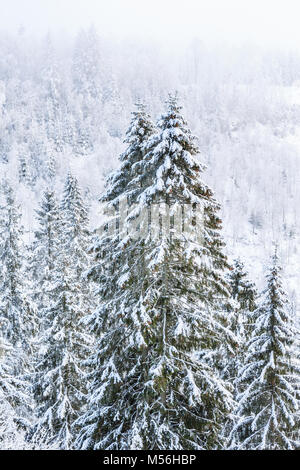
77,317
65,104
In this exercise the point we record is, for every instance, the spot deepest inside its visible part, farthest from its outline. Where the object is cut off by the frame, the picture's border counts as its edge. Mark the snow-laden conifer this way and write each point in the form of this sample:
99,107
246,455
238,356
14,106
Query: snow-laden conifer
269,403
43,254
242,289
15,311
60,384
140,129
159,323
75,235
16,314
244,296
13,399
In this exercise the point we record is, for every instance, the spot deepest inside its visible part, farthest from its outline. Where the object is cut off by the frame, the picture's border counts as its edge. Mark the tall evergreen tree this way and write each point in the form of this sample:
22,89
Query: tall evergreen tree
23,170
16,314
242,289
140,129
244,294
13,399
60,384
159,319
44,252
268,406
75,234
13,303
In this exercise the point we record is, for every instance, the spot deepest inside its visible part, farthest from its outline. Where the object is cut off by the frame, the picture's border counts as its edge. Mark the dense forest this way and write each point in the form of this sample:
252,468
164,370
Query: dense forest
116,337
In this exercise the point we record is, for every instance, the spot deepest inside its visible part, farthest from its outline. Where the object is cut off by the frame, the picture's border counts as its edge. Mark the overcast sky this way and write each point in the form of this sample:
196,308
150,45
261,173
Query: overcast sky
261,21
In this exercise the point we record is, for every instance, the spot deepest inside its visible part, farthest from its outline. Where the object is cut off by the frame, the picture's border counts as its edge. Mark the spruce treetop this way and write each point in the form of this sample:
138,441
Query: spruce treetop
155,384
169,154
269,404
140,129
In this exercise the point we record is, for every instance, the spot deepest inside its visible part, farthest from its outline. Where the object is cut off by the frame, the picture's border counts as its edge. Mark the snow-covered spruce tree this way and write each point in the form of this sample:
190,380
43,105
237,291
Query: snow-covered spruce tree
140,129
43,254
75,234
268,406
16,317
60,385
50,172
16,314
159,319
244,295
242,289
23,170
12,399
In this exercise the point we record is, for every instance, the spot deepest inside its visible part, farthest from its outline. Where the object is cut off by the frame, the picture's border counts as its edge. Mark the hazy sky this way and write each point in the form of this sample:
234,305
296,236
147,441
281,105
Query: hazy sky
264,21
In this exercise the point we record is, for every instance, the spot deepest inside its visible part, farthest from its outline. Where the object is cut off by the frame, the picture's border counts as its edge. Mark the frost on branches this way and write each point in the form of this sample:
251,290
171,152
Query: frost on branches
268,405
13,401
16,316
243,293
160,318
60,381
